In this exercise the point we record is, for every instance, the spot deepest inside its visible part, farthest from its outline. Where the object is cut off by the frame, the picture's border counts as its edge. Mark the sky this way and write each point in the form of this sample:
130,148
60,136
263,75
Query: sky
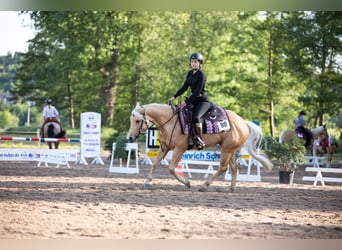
15,31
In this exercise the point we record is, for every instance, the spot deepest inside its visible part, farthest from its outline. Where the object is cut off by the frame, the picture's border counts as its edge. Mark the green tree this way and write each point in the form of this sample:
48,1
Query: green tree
7,119
313,55
263,65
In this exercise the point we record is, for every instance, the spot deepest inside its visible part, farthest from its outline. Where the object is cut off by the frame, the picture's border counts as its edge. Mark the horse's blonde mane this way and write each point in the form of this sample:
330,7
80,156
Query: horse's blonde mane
142,112
155,108
139,112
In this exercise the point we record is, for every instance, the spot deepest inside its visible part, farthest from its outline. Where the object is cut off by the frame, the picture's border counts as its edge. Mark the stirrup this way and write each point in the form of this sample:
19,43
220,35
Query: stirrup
200,144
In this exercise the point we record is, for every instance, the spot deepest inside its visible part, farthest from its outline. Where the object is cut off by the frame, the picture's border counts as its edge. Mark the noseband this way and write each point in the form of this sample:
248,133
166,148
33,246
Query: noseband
141,126
143,121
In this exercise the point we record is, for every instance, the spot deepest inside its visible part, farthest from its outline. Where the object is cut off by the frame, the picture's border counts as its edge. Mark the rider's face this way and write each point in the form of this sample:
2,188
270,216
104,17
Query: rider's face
194,64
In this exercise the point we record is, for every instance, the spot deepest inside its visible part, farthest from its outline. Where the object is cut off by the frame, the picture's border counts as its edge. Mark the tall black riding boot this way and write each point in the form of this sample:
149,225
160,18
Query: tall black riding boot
199,131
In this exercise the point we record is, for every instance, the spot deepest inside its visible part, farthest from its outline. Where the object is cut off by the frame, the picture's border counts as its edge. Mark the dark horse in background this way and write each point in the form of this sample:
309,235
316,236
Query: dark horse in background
52,130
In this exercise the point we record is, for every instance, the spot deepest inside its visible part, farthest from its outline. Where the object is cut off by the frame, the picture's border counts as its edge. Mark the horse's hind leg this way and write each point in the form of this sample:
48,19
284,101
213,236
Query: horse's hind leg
225,158
233,171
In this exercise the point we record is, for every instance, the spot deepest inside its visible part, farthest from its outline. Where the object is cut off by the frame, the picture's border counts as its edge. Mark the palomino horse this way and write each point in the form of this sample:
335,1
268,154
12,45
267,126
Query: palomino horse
325,145
285,135
53,130
165,118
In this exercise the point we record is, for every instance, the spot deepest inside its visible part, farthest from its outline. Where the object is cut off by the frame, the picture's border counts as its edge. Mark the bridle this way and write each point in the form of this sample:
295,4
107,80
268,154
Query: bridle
143,120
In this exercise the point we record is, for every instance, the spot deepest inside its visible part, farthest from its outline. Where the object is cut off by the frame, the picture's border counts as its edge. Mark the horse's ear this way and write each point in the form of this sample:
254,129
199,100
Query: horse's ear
137,105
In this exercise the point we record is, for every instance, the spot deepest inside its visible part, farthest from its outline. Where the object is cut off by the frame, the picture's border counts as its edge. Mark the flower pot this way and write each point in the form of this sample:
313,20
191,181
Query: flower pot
286,177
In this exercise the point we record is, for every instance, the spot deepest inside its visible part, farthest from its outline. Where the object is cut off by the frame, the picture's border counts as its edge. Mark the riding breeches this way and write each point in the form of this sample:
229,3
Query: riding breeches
305,131
199,110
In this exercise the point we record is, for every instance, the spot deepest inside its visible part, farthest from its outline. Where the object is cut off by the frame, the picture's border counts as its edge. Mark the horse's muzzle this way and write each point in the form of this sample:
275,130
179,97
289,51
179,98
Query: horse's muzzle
131,138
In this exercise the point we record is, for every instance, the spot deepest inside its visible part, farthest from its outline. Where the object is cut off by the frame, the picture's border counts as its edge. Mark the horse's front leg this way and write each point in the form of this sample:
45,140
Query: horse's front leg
176,157
225,158
161,154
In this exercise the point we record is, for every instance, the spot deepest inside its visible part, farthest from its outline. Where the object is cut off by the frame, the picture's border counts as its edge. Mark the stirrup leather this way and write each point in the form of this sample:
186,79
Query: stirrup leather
198,133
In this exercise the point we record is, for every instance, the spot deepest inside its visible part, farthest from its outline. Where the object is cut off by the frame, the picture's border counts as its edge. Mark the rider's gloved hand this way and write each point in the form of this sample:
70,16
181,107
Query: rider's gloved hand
171,99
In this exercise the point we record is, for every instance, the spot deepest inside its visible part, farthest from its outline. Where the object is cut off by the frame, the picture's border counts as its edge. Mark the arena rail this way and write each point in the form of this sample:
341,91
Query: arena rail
319,177
243,161
59,157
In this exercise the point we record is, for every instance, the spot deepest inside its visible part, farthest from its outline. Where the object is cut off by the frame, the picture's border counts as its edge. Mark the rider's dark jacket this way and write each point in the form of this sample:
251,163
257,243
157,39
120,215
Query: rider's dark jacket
196,82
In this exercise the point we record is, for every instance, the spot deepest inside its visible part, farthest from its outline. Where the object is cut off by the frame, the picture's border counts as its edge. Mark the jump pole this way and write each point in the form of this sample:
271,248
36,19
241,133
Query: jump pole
38,139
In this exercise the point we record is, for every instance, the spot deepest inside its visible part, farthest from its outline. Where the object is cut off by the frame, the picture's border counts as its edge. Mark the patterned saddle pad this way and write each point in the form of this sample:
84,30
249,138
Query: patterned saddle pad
215,120
300,135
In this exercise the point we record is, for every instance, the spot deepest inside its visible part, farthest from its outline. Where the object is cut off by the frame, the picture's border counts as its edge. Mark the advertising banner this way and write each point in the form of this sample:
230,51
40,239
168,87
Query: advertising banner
90,137
30,154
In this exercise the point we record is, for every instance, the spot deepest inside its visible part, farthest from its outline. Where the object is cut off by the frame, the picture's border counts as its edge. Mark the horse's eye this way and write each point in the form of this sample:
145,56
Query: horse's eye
137,121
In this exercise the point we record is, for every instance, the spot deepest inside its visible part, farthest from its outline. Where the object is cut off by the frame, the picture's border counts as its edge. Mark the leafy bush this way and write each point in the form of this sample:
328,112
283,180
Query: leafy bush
7,119
285,155
120,149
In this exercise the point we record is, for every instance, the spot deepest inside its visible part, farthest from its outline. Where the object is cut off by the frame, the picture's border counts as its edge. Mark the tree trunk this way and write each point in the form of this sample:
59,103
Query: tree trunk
272,118
71,105
270,84
108,91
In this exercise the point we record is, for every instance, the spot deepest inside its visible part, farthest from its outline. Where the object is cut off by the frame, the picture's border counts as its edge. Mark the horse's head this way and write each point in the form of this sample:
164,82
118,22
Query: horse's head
332,141
332,145
138,123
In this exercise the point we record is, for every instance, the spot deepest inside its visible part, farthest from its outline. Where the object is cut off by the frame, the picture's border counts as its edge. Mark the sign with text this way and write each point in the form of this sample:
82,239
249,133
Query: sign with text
31,154
90,134
153,138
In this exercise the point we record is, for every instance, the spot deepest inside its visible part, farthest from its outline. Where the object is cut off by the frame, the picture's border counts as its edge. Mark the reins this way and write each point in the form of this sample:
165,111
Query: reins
143,119
174,112
173,129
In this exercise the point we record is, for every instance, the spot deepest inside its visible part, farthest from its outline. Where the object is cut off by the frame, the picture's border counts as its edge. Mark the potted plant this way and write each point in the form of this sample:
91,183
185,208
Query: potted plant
285,156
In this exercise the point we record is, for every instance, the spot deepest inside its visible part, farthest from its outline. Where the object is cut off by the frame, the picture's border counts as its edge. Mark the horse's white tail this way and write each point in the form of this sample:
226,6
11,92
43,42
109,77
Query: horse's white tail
253,145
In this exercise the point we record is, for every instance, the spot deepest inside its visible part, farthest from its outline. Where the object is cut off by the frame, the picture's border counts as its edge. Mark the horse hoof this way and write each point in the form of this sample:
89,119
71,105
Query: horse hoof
187,184
146,186
202,189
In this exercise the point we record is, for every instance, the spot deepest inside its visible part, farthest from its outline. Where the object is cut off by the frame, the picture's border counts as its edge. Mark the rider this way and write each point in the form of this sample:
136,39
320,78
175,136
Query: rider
50,114
195,79
300,122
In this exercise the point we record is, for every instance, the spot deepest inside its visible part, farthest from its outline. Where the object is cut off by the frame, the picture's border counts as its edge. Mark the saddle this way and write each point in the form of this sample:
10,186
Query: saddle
52,120
214,121
300,135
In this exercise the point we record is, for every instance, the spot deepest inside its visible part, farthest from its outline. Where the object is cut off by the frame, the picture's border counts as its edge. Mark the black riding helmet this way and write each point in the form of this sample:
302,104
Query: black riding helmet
48,101
302,112
196,56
